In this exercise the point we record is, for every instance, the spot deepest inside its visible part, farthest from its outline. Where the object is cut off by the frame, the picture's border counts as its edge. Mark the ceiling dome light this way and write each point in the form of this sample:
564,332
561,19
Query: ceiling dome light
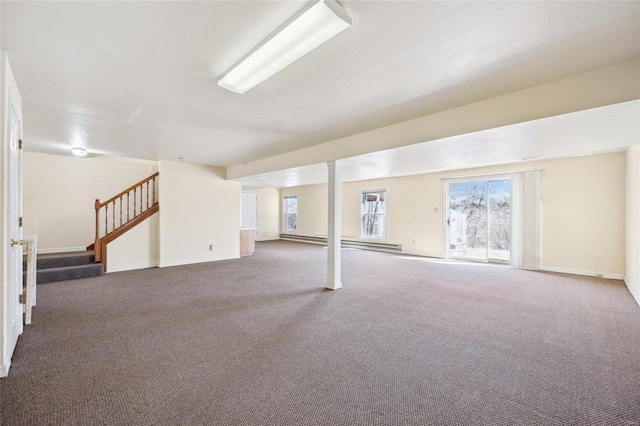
78,151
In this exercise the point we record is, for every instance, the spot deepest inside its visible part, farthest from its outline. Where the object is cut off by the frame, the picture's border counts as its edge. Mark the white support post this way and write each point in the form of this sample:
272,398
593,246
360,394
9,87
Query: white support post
334,230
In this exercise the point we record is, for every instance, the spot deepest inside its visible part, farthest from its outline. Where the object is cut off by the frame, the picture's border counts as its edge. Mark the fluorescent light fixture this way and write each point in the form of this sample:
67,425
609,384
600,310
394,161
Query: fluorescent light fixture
78,151
308,30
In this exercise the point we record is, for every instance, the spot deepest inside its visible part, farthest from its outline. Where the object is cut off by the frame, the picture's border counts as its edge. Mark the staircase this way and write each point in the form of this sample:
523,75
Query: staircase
122,213
114,217
65,266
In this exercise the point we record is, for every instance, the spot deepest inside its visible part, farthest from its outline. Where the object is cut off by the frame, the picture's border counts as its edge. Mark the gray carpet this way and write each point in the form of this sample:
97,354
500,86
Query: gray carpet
56,267
257,341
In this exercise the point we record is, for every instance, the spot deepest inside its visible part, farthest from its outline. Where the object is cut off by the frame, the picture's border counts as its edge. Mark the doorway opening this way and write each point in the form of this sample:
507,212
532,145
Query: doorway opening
479,219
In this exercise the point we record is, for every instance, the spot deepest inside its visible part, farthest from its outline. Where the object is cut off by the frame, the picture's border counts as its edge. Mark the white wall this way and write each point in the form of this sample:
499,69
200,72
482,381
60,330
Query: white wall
138,248
312,209
268,214
198,207
583,211
59,194
632,231
583,214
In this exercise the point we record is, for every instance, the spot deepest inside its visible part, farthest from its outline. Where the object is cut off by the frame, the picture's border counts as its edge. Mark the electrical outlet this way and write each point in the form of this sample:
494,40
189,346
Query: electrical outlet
596,258
212,246
413,242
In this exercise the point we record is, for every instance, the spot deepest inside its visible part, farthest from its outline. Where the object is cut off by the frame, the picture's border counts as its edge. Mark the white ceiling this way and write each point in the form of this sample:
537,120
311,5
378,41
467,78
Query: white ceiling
139,79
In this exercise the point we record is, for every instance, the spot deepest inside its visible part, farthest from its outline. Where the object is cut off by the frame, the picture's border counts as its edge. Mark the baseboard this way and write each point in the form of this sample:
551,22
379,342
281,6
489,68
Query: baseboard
4,368
343,238
633,293
133,268
300,241
583,273
346,242
428,255
193,262
61,250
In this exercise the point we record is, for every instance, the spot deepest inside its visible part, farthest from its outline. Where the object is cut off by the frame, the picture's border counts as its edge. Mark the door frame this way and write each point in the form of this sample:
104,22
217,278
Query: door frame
10,99
14,282
481,178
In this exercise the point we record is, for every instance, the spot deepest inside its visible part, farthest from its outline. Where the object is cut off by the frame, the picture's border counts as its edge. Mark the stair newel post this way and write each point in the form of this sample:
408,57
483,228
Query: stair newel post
103,254
96,245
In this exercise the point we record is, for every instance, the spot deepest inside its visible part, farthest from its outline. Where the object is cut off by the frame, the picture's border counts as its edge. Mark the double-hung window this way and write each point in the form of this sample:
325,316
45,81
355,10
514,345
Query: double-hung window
290,220
374,214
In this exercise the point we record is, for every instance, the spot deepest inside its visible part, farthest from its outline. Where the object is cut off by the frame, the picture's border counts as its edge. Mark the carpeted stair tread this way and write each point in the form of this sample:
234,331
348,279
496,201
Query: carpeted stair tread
66,273
59,260
52,267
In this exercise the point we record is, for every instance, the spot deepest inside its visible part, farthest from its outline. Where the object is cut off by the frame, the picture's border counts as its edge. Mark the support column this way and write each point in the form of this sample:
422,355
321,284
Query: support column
334,227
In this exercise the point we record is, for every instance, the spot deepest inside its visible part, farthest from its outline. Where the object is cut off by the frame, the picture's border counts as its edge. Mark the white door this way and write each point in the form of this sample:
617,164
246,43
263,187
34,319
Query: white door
249,210
15,231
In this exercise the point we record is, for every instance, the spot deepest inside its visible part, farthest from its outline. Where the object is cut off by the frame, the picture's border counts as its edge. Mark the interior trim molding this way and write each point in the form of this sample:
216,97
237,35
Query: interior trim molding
4,368
194,261
583,273
635,296
134,267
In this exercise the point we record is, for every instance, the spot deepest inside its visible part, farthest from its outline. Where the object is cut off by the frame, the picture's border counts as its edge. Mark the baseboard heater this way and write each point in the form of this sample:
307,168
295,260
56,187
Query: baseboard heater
346,242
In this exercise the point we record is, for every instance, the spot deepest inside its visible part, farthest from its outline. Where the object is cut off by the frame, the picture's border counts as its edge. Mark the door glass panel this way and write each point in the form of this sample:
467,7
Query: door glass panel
468,220
499,194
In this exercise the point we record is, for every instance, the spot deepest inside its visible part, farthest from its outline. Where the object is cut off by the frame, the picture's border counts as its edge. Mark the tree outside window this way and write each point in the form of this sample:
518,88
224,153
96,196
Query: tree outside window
374,210
291,213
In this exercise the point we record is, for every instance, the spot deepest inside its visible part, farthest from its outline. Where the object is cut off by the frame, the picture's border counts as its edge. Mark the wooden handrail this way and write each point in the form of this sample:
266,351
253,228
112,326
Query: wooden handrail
127,226
114,226
131,188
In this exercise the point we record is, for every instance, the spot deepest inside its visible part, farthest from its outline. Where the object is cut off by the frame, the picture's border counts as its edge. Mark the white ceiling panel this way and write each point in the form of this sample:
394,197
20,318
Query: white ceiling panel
139,79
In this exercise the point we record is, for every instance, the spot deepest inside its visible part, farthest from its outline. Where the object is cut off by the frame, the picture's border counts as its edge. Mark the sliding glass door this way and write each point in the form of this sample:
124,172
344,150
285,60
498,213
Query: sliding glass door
479,219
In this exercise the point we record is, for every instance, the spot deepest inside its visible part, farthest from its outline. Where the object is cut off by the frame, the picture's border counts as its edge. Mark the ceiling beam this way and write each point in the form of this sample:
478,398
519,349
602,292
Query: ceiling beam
606,86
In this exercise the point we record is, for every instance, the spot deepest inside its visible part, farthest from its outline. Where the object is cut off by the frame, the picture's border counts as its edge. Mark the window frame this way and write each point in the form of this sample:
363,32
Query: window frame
284,215
385,215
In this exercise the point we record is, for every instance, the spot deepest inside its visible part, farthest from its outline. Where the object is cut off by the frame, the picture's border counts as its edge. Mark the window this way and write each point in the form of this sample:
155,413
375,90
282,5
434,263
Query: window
374,212
291,213
479,219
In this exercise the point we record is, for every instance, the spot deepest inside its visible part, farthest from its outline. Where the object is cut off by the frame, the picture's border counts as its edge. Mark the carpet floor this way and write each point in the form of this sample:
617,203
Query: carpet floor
258,341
